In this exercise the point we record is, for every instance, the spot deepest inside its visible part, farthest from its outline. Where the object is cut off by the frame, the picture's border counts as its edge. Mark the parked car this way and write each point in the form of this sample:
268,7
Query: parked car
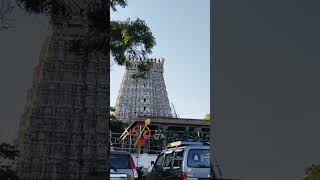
182,161
122,166
118,176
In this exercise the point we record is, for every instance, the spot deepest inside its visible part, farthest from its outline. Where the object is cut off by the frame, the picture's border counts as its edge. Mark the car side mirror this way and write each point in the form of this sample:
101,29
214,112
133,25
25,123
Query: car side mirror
152,163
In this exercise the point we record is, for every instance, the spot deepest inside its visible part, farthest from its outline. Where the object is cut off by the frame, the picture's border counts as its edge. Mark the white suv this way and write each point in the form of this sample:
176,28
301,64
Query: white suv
183,160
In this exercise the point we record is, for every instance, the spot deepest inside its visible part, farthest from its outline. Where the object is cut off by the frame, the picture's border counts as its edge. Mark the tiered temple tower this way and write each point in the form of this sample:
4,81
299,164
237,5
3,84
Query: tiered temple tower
143,96
63,132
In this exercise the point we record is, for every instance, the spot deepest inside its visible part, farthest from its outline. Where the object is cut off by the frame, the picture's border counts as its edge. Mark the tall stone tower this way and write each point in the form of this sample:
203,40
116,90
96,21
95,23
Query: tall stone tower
63,132
143,96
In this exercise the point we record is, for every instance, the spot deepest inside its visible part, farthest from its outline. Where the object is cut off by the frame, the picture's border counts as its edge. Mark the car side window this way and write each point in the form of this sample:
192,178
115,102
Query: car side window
177,163
168,160
159,161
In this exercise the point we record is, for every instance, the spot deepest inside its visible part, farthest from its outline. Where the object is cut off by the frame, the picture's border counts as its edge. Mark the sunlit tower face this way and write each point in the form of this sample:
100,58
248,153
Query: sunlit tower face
144,96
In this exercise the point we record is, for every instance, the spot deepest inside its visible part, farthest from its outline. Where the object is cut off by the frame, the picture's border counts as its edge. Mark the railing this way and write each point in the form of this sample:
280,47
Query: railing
153,145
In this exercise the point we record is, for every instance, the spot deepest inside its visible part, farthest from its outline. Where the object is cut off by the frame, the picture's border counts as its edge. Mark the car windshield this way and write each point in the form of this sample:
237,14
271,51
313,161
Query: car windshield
199,158
119,161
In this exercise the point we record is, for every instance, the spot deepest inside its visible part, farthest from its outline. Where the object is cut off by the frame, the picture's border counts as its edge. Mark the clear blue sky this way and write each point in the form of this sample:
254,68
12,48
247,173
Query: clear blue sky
182,32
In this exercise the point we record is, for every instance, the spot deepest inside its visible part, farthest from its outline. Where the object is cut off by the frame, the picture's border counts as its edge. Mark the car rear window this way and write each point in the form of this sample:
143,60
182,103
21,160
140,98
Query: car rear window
199,158
119,161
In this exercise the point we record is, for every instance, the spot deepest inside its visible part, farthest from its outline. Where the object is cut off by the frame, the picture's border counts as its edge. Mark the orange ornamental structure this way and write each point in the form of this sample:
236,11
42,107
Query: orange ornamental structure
151,134
141,135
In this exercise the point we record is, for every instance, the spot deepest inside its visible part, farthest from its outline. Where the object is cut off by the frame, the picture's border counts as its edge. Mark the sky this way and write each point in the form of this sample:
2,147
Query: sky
182,32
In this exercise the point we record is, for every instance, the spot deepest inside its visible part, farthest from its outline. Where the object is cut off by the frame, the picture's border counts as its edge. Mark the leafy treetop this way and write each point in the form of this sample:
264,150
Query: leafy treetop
120,38
7,154
207,117
312,172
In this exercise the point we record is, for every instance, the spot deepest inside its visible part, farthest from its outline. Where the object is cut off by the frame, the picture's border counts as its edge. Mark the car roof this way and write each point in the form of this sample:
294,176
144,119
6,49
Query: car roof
186,143
119,152
169,150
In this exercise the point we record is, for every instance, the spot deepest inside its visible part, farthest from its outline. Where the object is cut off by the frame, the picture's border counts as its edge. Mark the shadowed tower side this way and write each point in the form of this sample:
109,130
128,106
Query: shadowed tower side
143,96
63,133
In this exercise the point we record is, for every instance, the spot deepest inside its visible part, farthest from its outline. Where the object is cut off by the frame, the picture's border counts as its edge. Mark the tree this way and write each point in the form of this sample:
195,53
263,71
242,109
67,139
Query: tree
207,117
120,38
116,126
7,154
312,172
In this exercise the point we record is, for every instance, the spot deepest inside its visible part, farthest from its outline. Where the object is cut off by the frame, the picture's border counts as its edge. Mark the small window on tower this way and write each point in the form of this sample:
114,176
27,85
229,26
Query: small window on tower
144,108
144,99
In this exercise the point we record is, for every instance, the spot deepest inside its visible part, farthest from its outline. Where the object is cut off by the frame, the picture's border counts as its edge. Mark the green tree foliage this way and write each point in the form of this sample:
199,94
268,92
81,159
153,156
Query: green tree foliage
312,172
116,126
207,117
120,38
132,38
7,154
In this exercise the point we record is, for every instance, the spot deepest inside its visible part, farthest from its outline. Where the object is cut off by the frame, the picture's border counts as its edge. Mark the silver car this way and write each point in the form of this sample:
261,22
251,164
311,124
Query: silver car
122,166
184,161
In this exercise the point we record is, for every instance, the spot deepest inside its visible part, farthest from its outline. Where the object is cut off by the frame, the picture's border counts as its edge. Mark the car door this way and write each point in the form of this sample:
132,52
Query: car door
176,168
157,168
198,163
167,165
